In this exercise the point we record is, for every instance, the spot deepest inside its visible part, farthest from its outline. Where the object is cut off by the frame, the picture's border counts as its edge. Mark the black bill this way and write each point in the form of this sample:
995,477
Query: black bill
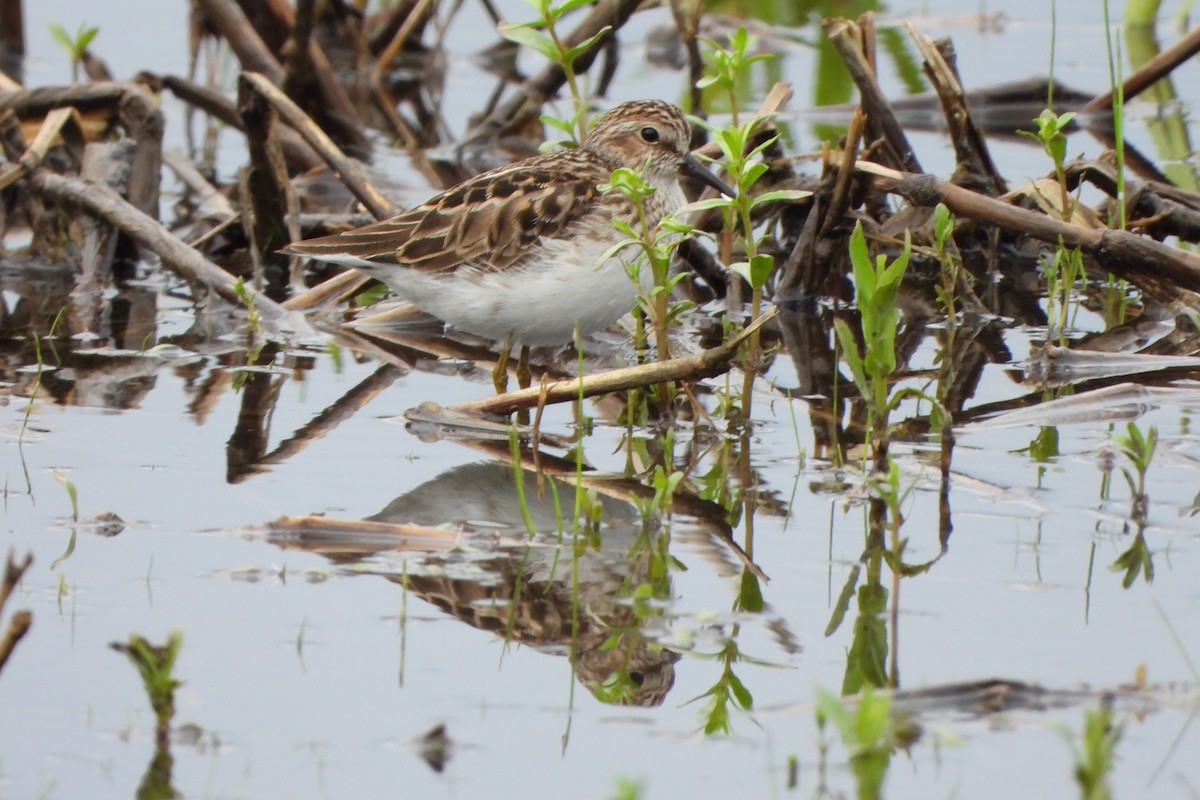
694,169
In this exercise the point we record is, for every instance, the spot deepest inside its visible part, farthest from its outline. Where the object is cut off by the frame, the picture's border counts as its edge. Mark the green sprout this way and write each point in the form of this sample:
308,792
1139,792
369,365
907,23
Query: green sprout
551,45
76,46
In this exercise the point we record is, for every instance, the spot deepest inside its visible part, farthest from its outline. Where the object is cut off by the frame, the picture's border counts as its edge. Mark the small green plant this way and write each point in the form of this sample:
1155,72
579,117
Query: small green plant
542,36
876,286
1139,449
246,295
743,160
628,790
76,46
1049,134
729,66
1063,271
72,493
156,665
1117,81
1094,761
653,245
949,267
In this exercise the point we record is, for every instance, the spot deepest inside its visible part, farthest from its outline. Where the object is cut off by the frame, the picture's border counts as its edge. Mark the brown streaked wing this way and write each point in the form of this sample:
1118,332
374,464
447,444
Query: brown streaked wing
488,221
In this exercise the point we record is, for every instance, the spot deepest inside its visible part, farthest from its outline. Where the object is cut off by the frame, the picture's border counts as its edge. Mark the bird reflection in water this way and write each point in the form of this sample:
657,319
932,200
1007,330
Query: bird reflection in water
496,577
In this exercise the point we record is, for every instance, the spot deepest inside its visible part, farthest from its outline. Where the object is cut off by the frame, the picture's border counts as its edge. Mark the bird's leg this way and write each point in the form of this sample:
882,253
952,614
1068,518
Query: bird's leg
524,374
500,373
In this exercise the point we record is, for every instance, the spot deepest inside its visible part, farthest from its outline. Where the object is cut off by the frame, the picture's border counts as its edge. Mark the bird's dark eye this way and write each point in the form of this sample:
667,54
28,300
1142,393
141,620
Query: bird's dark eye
650,134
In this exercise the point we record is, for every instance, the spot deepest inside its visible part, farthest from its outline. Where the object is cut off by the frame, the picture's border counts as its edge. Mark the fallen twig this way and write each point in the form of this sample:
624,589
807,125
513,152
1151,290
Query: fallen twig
702,365
103,202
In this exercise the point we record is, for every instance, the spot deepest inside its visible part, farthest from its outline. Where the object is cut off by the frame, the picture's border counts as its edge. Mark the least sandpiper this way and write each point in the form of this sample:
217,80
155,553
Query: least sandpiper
516,254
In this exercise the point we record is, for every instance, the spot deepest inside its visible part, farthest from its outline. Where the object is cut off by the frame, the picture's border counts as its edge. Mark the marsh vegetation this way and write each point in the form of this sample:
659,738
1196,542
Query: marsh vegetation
831,512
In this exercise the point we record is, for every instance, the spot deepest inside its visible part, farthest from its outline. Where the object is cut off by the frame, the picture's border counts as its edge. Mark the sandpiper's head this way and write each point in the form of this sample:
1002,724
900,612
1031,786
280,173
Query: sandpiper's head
633,133
642,131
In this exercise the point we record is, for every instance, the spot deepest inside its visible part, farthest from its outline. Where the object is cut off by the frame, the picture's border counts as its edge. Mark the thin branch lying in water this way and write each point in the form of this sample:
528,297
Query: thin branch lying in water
702,365
103,202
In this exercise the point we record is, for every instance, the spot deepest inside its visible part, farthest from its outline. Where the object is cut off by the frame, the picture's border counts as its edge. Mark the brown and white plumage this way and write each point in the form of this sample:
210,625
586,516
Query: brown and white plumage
516,253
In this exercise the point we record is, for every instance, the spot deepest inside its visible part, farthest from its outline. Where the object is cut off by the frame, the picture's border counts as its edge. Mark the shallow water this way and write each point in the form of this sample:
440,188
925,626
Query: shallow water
312,665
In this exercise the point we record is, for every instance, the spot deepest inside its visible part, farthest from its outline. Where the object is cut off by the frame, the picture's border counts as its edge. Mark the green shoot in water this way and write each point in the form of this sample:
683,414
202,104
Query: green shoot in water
156,665
76,46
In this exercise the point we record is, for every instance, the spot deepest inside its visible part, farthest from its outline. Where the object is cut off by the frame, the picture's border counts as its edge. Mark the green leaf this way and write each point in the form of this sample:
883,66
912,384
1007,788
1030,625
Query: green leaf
760,269
558,124
843,601
781,196
703,205
570,5
617,248
741,268
851,355
943,224
523,35
894,272
752,173
750,596
740,693
60,35
1045,445
69,485
575,52
832,709
85,37
860,262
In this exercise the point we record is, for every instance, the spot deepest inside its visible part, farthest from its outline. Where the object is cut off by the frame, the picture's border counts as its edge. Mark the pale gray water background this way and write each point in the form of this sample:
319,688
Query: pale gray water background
338,717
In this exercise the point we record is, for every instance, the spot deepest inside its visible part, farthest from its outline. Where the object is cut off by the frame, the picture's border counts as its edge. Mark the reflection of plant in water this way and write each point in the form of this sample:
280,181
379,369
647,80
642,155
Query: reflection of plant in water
867,660
870,733
627,790
34,386
727,691
1063,271
156,665
645,591
1138,448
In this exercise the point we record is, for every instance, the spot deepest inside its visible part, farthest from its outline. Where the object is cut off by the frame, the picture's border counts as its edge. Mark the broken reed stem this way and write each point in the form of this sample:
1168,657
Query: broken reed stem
53,126
348,170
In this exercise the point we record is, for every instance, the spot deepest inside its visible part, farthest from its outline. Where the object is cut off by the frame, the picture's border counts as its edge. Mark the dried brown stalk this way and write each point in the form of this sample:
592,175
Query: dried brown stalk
702,365
18,624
